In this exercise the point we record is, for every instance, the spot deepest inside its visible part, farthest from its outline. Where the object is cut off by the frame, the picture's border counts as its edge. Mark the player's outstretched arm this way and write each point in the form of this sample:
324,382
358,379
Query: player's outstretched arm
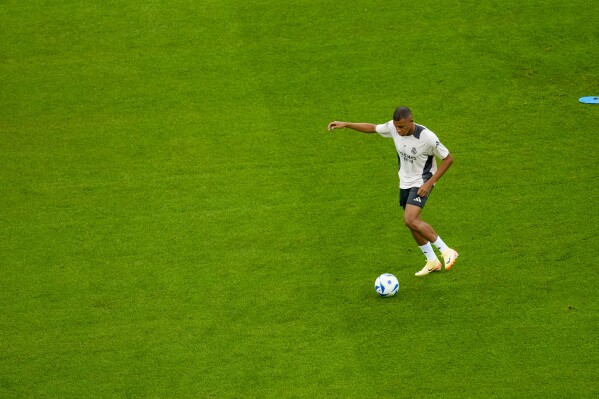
360,127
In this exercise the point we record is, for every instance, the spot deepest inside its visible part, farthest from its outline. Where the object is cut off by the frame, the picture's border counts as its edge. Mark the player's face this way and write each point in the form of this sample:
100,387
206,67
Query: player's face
404,127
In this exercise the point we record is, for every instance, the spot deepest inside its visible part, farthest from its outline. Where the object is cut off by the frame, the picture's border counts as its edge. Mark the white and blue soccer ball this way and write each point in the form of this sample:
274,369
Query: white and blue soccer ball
386,285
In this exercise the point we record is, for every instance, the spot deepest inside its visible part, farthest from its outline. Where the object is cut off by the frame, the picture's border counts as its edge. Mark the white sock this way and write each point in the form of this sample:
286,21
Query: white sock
428,251
441,246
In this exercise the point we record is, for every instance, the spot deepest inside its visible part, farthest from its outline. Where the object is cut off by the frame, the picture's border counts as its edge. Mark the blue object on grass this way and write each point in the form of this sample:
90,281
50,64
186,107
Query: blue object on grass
589,100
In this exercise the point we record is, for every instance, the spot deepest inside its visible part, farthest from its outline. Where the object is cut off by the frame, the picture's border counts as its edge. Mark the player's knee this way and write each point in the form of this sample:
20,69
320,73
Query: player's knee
410,222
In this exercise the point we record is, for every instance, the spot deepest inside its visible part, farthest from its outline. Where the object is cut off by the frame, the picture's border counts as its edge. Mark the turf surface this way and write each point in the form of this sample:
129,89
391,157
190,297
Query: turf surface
175,220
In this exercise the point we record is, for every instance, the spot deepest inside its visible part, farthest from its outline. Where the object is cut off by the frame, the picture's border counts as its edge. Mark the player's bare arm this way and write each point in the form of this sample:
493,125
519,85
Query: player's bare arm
426,188
360,127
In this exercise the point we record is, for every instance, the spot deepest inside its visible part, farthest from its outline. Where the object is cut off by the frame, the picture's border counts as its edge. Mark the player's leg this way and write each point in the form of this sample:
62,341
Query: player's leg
422,234
406,195
421,231
420,240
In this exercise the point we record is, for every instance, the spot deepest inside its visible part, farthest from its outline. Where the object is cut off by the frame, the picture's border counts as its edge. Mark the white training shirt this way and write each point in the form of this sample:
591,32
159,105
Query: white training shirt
416,153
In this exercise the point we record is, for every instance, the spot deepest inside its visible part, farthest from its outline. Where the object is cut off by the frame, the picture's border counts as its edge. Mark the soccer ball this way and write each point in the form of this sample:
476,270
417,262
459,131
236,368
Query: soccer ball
386,285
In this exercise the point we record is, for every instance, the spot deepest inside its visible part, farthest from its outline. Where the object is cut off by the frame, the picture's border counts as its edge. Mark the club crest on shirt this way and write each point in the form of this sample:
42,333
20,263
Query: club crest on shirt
414,150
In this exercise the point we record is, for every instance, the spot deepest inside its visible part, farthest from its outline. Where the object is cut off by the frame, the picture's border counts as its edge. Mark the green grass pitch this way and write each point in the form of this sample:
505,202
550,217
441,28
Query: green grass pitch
176,222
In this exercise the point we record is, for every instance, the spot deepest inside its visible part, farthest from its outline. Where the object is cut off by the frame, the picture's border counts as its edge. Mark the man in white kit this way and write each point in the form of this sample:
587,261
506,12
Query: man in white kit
416,149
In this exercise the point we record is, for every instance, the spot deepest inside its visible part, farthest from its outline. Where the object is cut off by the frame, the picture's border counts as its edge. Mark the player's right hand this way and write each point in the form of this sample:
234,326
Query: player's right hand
336,125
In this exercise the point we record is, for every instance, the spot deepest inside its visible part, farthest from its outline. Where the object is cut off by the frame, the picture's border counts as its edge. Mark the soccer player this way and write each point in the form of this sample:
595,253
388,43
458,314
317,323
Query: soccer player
416,149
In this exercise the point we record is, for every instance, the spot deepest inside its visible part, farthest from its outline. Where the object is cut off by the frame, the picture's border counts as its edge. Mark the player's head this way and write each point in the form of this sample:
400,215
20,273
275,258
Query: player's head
403,121
402,113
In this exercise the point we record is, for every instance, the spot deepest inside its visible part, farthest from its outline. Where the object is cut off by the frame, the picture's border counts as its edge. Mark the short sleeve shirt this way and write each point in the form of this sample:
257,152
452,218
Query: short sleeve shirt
416,153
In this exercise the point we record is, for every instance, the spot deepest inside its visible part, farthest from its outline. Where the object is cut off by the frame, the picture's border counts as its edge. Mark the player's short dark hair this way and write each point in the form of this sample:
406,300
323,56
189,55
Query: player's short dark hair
402,113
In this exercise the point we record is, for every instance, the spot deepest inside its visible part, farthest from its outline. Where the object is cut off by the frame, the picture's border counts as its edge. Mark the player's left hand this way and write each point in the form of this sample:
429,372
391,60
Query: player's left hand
424,190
